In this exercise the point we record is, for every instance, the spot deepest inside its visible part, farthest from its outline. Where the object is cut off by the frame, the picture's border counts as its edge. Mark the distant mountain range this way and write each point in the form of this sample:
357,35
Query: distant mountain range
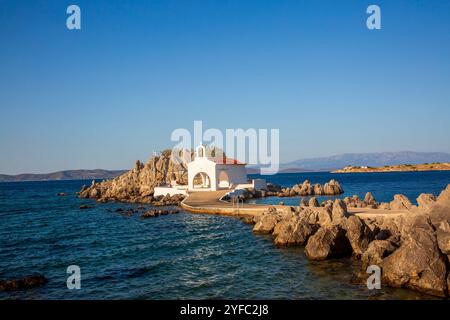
303,165
367,159
63,175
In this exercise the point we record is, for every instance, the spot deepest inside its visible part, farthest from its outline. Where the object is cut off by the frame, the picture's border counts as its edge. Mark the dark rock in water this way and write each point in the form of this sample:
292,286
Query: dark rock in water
24,283
418,264
327,243
118,210
157,213
61,194
85,206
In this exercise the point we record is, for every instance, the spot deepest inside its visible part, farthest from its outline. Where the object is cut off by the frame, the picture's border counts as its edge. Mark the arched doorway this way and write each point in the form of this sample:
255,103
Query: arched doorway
201,181
224,180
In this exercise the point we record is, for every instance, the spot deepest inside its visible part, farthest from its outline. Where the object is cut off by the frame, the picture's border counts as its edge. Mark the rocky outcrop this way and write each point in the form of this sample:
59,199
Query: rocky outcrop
332,188
266,222
313,202
412,249
24,283
400,202
294,231
376,251
137,185
359,235
426,201
339,212
306,189
418,263
328,242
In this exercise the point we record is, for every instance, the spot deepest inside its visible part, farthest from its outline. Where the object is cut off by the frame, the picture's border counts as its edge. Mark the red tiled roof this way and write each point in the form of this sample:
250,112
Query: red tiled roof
224,160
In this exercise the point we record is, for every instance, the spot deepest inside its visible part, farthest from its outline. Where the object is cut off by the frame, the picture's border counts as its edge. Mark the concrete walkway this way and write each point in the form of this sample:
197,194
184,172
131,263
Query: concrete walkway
210,202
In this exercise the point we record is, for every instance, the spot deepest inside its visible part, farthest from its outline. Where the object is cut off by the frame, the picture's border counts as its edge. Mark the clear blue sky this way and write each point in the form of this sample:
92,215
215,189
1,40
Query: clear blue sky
112,92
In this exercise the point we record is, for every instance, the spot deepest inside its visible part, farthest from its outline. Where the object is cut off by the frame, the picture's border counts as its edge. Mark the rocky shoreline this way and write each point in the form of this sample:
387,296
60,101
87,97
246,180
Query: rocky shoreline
412,250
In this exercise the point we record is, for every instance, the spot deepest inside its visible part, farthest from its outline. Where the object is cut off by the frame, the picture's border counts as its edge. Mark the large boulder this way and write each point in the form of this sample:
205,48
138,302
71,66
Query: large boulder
369,198
332,188
440,211
426,201
295,232
313,202
327,243
418,263
303,202
339,212
265,223
376,252
443,237
400,202
359,235
318,189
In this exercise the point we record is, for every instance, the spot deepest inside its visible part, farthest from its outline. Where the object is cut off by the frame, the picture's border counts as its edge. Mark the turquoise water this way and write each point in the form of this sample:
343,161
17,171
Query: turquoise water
177,256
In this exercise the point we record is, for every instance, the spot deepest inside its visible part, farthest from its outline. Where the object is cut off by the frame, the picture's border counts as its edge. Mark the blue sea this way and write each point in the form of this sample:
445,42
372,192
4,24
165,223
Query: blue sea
179,256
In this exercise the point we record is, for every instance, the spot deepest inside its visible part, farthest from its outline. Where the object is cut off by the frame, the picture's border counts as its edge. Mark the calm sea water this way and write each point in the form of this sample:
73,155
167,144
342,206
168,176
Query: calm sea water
176,256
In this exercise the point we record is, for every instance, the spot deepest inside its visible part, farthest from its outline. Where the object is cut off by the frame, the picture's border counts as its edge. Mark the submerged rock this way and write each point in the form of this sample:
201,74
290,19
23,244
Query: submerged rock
24,283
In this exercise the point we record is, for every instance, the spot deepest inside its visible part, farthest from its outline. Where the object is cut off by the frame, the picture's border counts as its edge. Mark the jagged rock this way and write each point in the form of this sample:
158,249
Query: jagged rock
384,206
359,235
137,185
418,263
425,201
324,217
294,232
339,212
444,196
376,252
24,283
332,188
369,199
440,211
443,237
327,243
306,189
400,202
266,223
303,202
318,190
313,202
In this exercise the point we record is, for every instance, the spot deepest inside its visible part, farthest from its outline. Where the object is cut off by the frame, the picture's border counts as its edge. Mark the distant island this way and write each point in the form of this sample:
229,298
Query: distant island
63,175
437,166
